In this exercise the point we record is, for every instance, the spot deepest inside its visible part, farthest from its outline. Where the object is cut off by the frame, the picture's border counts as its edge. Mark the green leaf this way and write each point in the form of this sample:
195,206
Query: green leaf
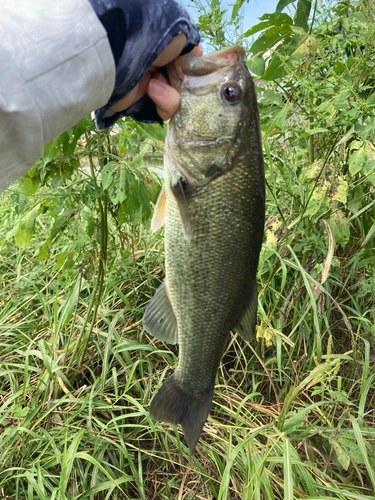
342,455
118,191
20,412
356,202
258,27
299,50
364,130
135,215
313,131
301,17
264,43
361,159
51,150
280,7
91,227
358,17
30,185
122,213
44,250
283,30
236,8
70,137
25,227
145,148
69,147
339,68
340,190
55,183
350,447
153,188
19,201
256,65
316,200
134,207
311,171
12,232
305,48
275,68
144,198
22,238
108,174
28,221
65,260
60,260
275,26
60,224
340,228
271,97
33,484
341,101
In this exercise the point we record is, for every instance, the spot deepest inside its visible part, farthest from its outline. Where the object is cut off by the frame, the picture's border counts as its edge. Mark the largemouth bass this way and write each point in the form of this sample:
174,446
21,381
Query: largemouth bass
212,204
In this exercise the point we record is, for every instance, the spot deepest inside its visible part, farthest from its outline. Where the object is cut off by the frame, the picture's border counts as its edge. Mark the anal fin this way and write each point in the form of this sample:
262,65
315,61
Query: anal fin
247,324
159,319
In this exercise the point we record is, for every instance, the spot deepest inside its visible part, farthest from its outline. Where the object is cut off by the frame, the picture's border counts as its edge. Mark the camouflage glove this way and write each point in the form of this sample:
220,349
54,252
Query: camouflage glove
138,32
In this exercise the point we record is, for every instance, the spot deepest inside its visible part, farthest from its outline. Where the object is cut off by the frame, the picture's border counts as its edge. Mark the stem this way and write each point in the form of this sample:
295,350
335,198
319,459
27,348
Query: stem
313,17
311,145
73,323
98,287
97,293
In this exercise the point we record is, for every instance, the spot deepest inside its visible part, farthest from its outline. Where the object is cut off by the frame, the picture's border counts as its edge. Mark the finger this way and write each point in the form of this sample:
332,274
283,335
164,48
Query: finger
173,50
197,51
125,102
166,98
134,95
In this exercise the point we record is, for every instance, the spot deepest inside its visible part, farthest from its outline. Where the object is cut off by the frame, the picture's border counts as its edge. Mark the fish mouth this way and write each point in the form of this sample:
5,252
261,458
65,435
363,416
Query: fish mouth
201,66
191,66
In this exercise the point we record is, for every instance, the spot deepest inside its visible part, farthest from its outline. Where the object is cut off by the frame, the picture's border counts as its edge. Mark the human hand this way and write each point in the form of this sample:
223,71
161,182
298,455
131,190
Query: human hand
166,98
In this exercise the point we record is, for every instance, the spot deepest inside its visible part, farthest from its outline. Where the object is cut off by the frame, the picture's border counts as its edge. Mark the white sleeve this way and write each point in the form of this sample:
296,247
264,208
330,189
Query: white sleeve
56,66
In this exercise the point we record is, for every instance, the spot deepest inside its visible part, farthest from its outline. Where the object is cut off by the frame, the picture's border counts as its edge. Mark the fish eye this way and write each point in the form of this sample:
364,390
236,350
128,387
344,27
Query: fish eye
231,92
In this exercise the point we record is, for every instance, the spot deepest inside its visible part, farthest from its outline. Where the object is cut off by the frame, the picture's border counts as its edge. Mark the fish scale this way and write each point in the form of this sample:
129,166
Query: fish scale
212,205
214,302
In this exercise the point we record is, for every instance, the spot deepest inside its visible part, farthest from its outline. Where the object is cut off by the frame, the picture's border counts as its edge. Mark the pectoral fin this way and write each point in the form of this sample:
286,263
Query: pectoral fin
158,219
159,319
247,324
179,193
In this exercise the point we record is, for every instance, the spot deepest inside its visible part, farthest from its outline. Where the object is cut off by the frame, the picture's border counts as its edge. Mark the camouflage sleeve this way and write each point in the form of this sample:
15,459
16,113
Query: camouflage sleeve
138,32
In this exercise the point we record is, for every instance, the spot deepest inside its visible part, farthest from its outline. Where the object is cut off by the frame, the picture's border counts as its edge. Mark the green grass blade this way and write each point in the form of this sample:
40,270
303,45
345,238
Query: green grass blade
363,449
288,474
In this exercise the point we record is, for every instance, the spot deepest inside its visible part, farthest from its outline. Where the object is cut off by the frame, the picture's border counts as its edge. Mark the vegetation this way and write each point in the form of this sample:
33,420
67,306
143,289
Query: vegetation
293,414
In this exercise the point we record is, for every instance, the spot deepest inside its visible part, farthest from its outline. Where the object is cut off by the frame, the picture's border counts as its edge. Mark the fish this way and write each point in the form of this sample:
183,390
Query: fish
213,207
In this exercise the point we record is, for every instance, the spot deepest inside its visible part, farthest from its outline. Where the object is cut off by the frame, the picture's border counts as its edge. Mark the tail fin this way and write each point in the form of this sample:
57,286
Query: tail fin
174,405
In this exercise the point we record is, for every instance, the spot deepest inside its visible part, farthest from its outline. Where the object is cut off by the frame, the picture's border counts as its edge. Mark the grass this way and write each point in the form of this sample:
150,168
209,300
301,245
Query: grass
289,420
